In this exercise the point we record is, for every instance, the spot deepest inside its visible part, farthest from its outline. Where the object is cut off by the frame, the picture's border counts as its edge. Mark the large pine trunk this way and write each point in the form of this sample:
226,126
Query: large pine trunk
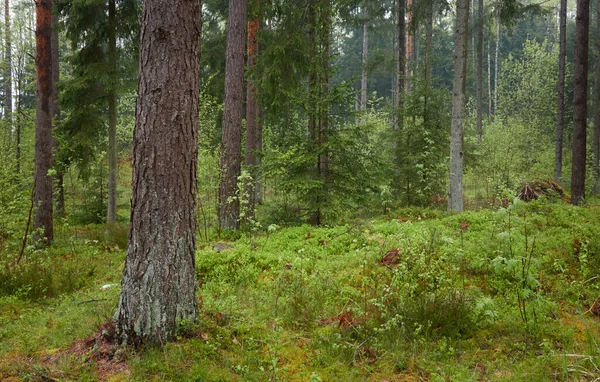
231,141
253,127
580,101
560,92
596,137
158,289
455,202
42,221
111,213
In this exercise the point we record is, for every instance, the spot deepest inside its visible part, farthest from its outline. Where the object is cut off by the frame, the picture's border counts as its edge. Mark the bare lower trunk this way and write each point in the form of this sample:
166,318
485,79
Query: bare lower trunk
229,204
560,92
489,81
428,57
42,221
455,202
252,122
479,71
111,213
59,192
580,102
596,138
158,290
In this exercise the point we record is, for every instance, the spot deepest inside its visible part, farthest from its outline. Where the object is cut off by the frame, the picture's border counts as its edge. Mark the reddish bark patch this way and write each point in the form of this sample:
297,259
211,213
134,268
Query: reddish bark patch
391,257
344,319
101,349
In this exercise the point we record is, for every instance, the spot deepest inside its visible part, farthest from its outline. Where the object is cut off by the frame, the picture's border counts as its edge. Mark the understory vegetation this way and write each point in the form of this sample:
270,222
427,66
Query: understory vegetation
505,293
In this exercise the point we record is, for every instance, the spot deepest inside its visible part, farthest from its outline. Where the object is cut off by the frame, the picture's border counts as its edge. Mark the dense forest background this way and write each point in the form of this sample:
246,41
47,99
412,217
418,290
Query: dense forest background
383,190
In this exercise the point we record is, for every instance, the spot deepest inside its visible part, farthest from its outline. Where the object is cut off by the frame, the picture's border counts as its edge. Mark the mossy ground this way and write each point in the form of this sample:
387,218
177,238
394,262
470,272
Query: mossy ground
502,295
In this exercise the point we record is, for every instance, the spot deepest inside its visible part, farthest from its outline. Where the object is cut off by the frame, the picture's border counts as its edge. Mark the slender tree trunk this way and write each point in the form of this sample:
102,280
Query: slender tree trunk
8,67
496,65
580,102
111,214
479,90
229,204
400,93
42,221
158,289
560,92
455,202
489,80
428,59
252,112
596,138
60,194
363,79
409,47
18,121
324,109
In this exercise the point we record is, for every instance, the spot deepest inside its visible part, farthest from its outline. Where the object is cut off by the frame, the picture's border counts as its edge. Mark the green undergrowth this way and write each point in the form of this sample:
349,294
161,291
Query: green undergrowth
504,295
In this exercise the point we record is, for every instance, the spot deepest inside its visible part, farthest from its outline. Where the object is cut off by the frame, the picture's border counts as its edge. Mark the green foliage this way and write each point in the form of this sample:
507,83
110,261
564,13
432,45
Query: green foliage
15,199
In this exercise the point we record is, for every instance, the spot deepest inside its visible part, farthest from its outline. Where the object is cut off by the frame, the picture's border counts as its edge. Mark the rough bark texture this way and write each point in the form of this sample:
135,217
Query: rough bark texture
479,90
580,101
253,133
158,288
42,221
596,137
8,63
111,214
363,78
560,94
231,141
60,194
455,202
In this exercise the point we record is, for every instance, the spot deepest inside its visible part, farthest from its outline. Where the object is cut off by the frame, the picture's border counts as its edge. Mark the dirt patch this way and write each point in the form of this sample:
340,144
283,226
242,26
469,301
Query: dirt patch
101,350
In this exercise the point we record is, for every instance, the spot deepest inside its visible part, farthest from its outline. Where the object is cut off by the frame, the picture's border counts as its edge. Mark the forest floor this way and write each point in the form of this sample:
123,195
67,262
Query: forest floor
502,295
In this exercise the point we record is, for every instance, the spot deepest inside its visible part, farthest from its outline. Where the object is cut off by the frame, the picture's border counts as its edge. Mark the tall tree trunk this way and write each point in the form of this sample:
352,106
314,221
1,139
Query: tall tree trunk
8,67
60,193
42,221
496,64
252,112
229,204
111,214
489,80
363,78
560,92
479,90
409,46
580,102
455,202
596,137
428,58
324,109
400,93
158,289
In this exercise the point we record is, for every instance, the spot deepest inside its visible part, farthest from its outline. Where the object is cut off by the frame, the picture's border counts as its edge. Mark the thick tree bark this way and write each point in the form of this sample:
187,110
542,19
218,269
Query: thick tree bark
253,134
580,102
596,137
158,289
560,92
479,90
455,202
60,193
229,204
363,78
111,214
8,63
42,221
